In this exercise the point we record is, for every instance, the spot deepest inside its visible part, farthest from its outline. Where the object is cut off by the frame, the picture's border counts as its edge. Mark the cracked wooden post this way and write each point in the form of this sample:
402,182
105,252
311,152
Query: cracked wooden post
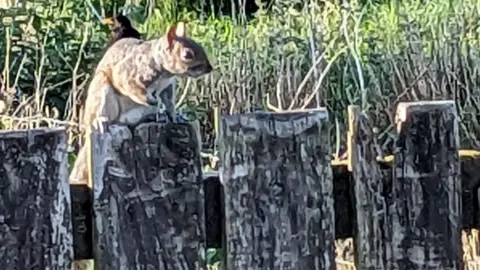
279,210
426,188
35,200
373,230
148,198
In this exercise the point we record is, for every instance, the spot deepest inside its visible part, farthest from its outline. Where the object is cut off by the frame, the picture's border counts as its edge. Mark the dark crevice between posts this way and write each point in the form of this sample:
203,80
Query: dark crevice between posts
470,174
278,190
82,221
344,197
82,209
214,210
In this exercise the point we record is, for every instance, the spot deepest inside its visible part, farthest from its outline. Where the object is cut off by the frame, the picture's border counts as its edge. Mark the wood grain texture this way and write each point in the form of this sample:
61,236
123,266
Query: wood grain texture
278,190
148,198
35,225
373,231
426,220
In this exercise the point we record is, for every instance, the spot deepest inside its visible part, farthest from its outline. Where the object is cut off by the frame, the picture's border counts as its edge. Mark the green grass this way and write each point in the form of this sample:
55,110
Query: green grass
376,53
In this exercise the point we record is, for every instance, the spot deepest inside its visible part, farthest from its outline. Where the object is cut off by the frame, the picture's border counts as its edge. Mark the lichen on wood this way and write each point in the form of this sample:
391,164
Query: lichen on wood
278,190
148,198
36,230
426,218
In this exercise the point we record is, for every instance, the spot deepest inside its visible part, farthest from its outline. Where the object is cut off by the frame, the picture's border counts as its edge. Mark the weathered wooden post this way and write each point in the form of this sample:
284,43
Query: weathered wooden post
148,198
278,190
36,230
426,216
373,230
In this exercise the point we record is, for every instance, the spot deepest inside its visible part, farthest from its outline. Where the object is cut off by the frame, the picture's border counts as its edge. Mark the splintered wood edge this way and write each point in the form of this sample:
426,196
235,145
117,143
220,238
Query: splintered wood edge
296,111
469,153
317,111
90,150
87,264
463,154
216,119
20,133
353,114
387,160
406,108
100,144
116,128
288,122
210,174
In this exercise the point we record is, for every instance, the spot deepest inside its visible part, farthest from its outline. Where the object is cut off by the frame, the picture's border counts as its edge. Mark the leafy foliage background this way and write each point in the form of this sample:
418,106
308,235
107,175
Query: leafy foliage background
269,55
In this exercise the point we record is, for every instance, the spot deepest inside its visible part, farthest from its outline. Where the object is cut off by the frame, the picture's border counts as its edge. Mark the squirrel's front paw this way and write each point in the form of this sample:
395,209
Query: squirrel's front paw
149,118
172,117
162,118
101,124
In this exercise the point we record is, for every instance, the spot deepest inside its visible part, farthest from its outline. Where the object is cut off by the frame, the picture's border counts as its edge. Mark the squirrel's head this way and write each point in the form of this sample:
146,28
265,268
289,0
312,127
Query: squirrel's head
183,55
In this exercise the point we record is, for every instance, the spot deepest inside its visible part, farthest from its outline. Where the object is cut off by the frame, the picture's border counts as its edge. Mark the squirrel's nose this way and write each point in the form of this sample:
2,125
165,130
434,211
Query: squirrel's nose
209,68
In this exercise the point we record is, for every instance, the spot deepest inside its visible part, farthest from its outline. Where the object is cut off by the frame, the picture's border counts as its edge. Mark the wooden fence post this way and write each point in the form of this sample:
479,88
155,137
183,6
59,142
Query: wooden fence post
426,188
373,231
148,198
36,229
278,190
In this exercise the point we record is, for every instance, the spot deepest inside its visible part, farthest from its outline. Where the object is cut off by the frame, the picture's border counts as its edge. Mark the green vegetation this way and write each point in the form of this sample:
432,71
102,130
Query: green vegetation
375,54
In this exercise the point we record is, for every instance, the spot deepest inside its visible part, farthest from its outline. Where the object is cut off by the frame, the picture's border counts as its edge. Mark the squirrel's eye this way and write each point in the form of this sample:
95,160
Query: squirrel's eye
187,54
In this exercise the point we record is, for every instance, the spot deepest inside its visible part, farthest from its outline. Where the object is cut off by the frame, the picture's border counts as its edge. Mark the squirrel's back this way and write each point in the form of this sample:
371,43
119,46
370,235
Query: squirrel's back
118,51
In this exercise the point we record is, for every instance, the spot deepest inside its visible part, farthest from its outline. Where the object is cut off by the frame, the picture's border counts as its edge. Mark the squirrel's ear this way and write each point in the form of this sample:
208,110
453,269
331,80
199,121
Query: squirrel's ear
171,36
177,30
181,29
